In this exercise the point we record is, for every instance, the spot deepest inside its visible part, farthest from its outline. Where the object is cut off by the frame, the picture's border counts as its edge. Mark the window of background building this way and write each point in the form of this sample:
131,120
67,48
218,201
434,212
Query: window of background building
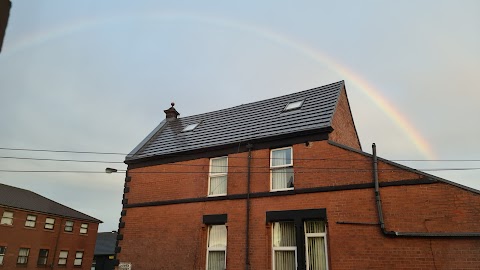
78,258
69,226
281,168
62,257
49,223
284,246
217,184
217,247
84,228
31,220
3,250
7,218
23,255
42,257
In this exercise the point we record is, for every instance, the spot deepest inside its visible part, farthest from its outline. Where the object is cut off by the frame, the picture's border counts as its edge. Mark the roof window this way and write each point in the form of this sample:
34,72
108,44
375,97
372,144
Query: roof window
190,127
293,106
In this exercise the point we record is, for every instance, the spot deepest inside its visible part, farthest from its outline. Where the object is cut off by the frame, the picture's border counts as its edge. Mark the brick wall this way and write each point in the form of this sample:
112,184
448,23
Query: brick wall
174,237
344,131
18,236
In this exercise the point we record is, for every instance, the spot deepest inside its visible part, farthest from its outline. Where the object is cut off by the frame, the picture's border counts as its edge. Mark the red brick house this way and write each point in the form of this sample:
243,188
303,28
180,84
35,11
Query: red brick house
36,232
284,184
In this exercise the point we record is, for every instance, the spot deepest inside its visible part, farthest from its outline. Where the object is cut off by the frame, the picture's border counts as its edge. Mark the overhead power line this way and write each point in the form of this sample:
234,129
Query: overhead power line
313,170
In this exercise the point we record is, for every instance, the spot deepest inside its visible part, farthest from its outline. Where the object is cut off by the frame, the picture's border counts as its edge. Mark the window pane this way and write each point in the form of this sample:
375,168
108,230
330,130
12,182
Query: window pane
77,262
218,185
282,157
282,178
316,226
216,260
219,165
1,259
217,236
316,253
284,234
285,260
7,218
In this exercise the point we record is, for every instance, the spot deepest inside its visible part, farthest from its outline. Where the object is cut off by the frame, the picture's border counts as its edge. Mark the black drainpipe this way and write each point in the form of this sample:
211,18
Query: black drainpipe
56,243
405,234
247,229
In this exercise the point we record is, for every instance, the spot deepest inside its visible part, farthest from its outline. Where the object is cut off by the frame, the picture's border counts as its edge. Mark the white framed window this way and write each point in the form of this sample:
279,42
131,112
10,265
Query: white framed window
315,245
84,228
7,218
23,255
284,245
49,223
78,258
62,257
217,247
217,178
68,226
3,250
31,221
42,257
281,169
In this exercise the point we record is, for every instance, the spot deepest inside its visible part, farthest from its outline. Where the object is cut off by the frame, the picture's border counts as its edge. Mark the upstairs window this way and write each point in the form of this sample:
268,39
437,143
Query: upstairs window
217,247
3,250
293,106
69,226
49,223
217,184
23,256
7,218
31,220
84,228
62,257
281,169
78,258
42,257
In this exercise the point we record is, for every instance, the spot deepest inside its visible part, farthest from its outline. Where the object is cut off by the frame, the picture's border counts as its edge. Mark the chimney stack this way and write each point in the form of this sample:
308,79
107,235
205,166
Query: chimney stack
171,113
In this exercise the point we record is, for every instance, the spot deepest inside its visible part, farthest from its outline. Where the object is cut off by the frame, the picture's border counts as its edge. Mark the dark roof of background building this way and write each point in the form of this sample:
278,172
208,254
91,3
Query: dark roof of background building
24,199
244,123
105,244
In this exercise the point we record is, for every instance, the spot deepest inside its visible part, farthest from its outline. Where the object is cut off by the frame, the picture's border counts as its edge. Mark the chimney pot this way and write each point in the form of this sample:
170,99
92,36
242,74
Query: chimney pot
171,113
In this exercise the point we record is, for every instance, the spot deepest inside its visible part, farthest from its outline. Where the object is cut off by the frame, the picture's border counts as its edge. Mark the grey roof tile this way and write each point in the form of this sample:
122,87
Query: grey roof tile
24,199
243,123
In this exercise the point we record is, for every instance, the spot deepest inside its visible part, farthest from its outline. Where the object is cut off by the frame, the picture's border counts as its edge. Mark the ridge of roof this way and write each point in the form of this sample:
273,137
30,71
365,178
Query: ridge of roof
242,123
406,168
20,198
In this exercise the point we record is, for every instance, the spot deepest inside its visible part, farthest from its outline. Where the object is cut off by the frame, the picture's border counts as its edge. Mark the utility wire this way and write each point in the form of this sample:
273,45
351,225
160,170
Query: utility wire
314,170
180,155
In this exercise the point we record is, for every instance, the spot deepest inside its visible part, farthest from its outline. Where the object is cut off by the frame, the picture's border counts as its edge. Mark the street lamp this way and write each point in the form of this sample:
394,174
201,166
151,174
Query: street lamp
110,170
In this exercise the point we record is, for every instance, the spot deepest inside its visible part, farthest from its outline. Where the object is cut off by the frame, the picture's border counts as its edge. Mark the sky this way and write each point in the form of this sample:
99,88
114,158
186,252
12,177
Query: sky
95,76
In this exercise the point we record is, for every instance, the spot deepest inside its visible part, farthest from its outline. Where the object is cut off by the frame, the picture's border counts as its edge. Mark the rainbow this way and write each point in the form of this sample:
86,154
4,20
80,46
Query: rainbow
334,65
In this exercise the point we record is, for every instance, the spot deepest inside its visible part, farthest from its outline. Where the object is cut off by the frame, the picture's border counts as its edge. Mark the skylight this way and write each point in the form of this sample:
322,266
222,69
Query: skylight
190,127
293,106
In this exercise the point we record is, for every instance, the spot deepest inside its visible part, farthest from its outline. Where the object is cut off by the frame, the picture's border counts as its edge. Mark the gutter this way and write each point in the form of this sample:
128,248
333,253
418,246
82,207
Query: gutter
381,221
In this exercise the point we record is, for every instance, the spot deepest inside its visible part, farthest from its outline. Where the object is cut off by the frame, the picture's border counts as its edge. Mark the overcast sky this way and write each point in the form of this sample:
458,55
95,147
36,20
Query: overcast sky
97,75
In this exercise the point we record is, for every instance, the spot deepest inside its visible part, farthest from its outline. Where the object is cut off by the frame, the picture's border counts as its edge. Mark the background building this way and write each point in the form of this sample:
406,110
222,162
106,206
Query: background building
38,232
284,184
104,255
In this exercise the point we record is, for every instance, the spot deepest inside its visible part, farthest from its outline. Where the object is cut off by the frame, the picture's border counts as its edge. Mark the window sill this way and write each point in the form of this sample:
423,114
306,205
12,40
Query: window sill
216,195
283,189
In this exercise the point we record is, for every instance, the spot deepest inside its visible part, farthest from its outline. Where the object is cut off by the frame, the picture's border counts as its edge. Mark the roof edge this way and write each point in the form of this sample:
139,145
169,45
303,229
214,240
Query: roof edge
145,141
405,167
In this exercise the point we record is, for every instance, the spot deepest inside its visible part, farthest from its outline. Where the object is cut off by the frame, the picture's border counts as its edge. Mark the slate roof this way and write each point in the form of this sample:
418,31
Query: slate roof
243,123
105,244
27,200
